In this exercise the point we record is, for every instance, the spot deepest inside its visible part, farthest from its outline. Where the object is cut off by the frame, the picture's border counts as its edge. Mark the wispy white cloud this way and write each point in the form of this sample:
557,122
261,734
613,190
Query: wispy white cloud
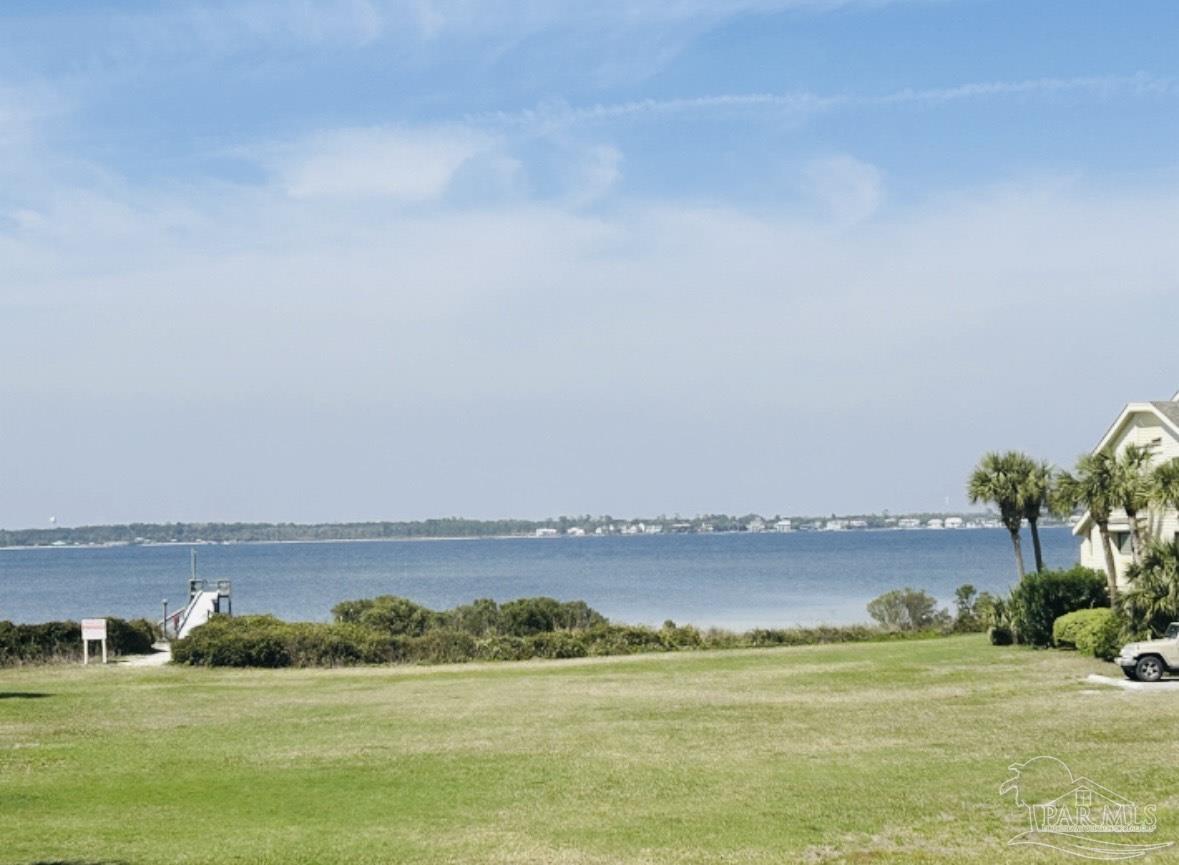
548,118
406,164
552,117
849,190
1140,83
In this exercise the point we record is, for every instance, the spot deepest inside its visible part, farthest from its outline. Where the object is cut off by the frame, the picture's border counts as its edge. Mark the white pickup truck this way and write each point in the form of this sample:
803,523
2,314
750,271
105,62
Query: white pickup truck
1148,660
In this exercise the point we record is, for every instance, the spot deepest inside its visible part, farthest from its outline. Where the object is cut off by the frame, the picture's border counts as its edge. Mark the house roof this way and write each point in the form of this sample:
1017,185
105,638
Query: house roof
1169,409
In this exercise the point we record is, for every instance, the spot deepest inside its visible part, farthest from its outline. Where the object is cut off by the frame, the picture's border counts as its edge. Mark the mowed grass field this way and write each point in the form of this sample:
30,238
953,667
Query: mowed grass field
886,752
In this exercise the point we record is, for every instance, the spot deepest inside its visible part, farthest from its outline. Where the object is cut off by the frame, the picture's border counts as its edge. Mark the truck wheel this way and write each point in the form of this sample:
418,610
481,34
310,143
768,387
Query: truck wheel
1149,669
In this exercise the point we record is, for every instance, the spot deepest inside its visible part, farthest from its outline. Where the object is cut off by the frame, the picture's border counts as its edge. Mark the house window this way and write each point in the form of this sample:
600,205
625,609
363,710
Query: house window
1085,798
1121,541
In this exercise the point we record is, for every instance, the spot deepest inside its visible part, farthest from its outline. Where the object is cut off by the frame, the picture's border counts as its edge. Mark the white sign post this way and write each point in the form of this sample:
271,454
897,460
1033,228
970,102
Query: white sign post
93,629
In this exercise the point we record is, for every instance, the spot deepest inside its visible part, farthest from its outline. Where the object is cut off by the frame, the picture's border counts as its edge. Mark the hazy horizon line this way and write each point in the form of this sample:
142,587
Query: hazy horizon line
592,518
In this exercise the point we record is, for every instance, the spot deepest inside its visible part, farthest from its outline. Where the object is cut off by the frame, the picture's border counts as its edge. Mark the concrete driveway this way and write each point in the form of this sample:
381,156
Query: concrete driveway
1126,684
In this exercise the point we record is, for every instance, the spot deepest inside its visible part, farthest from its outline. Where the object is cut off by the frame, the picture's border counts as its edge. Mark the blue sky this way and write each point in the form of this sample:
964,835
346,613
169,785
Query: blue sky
359,259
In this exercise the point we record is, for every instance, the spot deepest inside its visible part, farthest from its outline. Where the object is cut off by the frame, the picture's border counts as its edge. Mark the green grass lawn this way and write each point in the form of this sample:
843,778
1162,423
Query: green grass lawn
885,752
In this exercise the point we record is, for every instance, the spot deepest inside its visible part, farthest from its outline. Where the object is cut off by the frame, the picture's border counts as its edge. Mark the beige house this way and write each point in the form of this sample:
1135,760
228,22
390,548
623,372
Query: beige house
1153,425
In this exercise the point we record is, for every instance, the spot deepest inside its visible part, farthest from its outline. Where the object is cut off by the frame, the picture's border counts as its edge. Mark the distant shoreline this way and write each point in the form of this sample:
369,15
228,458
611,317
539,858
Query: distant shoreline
502,537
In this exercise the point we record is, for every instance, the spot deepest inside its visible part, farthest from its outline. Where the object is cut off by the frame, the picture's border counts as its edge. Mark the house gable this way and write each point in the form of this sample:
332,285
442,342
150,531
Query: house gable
1153,425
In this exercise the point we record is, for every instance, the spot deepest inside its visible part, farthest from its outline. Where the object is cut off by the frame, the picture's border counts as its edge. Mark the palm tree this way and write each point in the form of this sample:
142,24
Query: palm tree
1094,486
1165,484
998,479
1133,490
1033,493
1151,600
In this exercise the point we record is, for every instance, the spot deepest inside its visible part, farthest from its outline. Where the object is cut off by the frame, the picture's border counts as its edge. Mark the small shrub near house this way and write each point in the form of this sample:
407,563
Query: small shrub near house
1094,632
1041,598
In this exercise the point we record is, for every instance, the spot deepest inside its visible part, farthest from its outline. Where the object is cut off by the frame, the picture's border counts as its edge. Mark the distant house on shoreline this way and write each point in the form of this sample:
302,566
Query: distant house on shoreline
1152,425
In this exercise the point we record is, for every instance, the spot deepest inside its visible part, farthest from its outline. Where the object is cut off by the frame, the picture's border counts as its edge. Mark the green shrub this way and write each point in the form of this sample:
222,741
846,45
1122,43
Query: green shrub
1041,598
388,613
527,616
50,641
502,647
131,638
62,641
479,618
906,610
1103,639
557,644
439,647
522,617
965,614
245,641
1000,635
622,640
680,636
1092,632
264,641
1066,627
991,610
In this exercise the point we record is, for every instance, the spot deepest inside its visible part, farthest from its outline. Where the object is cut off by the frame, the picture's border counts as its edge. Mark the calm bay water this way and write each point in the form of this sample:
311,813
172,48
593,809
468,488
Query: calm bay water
732,580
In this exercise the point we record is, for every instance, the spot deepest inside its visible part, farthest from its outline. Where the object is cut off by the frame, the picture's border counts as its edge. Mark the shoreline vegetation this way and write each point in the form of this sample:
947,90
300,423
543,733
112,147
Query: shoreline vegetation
1066,609
395,630
457,528
390,630
61,642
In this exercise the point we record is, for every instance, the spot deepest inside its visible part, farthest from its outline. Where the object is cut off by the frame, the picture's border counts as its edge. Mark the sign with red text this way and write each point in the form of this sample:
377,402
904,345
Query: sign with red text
94,629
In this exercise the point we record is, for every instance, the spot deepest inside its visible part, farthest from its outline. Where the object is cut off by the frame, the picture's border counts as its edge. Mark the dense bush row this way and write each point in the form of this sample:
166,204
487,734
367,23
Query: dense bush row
393,630
62,641
523,617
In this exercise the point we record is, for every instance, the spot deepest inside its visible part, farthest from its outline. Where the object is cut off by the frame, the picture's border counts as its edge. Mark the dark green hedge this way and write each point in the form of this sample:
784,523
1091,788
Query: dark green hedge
1041,598
522,617
264,641
62,641
1095,632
